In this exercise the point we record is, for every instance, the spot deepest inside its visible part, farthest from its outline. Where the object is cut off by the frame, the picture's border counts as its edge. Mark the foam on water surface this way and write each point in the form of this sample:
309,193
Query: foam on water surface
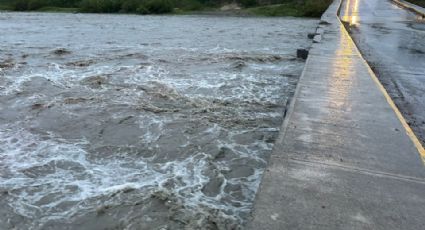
110,121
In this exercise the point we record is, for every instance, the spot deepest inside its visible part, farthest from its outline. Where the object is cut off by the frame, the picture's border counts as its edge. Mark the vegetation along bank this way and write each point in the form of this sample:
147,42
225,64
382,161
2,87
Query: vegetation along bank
297,8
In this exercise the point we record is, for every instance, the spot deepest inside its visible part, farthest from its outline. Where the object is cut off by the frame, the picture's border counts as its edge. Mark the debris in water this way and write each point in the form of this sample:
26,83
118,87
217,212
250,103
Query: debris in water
61,51
302,53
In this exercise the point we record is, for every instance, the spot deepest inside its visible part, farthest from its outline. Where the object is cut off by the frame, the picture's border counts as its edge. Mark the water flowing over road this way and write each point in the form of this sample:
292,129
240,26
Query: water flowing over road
131,122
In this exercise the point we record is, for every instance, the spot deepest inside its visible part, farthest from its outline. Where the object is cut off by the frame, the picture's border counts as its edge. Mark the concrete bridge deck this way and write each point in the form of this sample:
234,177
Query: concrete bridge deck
346,159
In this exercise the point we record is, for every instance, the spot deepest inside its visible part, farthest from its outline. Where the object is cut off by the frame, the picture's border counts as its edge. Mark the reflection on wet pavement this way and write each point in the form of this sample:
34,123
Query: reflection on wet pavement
392,40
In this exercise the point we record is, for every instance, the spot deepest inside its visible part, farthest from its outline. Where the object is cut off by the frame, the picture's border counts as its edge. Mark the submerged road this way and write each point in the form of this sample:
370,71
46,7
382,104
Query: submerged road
392,40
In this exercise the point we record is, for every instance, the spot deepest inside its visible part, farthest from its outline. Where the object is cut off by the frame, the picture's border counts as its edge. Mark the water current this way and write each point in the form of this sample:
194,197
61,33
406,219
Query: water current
140,122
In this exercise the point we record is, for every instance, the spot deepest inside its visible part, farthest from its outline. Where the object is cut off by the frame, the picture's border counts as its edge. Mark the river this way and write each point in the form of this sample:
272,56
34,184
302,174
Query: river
140,122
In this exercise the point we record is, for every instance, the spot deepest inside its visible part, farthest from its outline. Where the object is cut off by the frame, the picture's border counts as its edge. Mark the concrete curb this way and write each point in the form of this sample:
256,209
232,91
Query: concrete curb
412,7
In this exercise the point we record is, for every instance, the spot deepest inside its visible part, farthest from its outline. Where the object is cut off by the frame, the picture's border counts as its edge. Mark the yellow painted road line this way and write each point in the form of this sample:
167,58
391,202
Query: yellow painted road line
406,126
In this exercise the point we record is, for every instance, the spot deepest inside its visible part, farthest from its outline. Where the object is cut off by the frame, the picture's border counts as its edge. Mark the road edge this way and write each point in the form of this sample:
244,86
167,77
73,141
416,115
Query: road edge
410,6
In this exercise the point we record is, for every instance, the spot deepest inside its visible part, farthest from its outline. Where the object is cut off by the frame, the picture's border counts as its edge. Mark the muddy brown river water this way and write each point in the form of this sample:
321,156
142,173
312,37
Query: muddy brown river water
140,122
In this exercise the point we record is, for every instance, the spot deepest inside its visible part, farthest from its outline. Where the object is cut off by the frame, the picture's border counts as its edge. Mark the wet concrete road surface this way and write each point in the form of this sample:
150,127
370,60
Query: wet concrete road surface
392,40
344,160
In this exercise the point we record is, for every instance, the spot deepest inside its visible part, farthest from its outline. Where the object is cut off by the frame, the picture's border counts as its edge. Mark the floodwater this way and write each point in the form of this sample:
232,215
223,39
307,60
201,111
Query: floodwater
392,40
140,122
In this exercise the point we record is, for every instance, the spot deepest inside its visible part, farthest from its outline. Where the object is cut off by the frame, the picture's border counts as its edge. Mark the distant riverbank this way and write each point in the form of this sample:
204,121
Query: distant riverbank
296,8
